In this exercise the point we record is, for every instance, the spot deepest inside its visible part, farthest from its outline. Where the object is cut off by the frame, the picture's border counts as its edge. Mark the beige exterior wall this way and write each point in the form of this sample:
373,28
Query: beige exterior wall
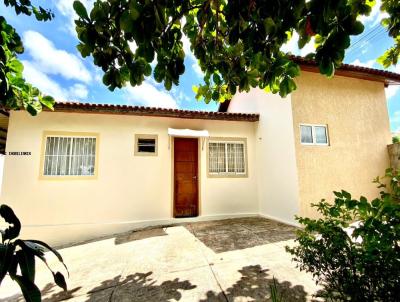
129,190
277,180
358,126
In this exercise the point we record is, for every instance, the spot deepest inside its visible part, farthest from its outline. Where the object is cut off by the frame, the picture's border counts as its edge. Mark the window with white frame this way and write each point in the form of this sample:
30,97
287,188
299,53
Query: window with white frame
69,156
227,158
314,134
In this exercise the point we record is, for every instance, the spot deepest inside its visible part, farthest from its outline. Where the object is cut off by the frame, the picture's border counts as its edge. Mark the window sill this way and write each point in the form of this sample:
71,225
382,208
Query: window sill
227,175
67,177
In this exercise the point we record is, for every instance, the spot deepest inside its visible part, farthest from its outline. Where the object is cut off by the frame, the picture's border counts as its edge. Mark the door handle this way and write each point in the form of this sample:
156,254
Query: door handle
194,177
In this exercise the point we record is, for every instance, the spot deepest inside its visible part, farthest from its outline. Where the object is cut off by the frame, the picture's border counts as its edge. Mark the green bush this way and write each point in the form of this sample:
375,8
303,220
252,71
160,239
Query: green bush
395,139
353,250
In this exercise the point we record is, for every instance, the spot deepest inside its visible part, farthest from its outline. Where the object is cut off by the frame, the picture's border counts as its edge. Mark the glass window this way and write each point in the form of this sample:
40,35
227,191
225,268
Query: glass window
306,134
226,157
314,134
70,156
217,157
145,144
320,135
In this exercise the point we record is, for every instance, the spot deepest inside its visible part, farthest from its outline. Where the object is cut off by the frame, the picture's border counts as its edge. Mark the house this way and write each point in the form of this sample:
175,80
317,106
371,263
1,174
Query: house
88,170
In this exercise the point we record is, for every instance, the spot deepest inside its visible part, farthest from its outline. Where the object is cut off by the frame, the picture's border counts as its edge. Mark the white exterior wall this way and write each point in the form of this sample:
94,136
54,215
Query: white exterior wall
129,191
277,181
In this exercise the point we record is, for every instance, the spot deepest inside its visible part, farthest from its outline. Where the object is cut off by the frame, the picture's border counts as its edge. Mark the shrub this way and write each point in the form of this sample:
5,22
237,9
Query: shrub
353,250
395,139
16,253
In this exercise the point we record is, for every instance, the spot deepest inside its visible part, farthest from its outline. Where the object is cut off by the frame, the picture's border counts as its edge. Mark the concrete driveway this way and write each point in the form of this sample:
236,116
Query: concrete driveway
224,260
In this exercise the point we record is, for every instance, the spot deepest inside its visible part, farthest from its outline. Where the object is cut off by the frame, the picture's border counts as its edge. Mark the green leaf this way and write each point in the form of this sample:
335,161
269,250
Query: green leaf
293,70
126,22
80,10
9,216
16,66
54,251
286,87
48,101
327,67
338,194
217,79
6,259
269,25
60,280
375,203
168,84
30,291
346,195
26,261
134,10
84,49
357,28
31,109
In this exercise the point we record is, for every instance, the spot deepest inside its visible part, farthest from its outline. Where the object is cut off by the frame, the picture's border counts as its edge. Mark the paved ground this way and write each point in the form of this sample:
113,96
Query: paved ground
225,260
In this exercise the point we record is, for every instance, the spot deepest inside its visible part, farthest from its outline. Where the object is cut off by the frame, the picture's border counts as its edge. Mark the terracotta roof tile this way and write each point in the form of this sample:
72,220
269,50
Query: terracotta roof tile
152,111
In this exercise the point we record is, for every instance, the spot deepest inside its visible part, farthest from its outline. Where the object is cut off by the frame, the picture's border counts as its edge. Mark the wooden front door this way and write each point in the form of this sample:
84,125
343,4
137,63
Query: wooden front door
186,197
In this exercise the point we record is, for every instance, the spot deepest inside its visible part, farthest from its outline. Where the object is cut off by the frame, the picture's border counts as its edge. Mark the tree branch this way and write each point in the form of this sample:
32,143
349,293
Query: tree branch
178,16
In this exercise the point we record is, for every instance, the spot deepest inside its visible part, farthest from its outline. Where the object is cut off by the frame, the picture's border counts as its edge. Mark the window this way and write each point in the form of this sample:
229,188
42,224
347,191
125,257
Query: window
227,157
314,135
145,144
69,156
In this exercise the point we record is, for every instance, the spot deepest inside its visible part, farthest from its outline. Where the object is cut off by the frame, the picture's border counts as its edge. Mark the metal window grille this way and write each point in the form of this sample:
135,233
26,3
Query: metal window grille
226,158
70,156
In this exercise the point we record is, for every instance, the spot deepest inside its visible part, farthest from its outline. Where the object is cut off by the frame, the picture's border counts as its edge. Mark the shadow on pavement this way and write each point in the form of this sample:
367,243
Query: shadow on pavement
254,285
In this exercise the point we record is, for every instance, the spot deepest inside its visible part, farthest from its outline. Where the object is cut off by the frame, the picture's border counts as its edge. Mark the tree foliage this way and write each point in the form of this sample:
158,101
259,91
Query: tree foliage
353,251
237,43
15,92
392,23
17,257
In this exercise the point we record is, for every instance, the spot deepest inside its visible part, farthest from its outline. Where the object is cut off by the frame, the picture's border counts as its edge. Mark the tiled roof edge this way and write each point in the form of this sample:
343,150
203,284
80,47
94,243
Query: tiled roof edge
152,111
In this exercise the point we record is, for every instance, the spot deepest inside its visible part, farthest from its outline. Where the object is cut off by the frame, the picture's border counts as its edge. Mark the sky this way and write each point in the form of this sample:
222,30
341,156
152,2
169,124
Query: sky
53,64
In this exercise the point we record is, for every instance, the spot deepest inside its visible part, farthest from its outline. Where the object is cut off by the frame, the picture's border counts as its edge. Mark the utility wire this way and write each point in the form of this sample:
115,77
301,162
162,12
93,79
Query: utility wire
374,29
377,35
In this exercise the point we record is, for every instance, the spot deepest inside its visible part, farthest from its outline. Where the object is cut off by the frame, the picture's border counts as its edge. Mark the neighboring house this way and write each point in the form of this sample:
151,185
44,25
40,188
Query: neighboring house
93,170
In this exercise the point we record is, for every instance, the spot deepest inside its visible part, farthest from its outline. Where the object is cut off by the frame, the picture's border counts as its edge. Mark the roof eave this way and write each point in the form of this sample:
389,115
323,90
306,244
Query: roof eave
153,112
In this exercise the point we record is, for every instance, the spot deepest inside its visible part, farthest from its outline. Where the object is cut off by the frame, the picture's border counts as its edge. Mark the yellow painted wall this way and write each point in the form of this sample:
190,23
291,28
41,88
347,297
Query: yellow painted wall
129,190
358,125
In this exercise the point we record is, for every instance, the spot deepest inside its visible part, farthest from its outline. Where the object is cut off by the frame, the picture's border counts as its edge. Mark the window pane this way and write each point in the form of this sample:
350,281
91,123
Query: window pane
226,157
320,135
239,154
69,156
306,134
146,145
217,156
231,157
213,157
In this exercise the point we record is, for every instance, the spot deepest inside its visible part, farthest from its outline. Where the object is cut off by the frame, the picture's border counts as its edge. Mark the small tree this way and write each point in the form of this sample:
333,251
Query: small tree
17,253
353,250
